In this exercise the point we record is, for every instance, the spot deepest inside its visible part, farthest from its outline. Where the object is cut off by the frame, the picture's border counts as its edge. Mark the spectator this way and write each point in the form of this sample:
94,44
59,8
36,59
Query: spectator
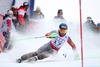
15,14
90,24
22,13
59,14
23,19
14,9
6,27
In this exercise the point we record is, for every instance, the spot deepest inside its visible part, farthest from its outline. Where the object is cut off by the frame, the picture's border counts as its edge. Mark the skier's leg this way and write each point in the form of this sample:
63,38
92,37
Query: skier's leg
26,56
45,51
39,57
32,54
43,55
47,54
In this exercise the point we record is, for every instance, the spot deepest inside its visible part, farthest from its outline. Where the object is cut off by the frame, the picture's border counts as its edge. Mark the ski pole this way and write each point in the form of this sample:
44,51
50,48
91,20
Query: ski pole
40,37
28,38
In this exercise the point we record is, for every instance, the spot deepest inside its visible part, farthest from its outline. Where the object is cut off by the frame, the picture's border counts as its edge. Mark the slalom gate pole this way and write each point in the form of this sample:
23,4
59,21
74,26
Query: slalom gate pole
81,38
18,39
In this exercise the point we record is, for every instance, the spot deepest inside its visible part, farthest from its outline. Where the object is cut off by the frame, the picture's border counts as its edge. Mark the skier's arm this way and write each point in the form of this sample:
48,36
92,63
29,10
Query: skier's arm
48,34
70,42
51,34
74,48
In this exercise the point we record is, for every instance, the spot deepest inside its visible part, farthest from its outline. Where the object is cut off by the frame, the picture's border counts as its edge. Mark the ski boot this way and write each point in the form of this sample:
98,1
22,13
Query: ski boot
18,60
33,59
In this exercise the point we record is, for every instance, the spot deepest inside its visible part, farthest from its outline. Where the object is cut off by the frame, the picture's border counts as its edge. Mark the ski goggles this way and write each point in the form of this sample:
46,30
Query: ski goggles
63,31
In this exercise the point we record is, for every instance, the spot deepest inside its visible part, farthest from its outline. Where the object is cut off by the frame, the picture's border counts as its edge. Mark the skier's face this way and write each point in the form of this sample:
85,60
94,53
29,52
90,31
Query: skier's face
62,32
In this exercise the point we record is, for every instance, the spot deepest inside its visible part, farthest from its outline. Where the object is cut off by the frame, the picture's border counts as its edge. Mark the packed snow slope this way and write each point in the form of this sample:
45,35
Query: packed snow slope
25,43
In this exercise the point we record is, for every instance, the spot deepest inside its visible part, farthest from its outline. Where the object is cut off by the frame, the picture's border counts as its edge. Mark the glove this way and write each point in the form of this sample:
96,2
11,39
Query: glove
51,35
76,57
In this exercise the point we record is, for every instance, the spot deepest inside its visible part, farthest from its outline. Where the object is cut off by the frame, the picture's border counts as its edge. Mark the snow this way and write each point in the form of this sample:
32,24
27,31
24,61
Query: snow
20,47
91,43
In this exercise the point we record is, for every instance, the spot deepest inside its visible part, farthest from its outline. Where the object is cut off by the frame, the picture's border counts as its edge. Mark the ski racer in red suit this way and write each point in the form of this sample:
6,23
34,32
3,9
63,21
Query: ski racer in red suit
22,12
52,47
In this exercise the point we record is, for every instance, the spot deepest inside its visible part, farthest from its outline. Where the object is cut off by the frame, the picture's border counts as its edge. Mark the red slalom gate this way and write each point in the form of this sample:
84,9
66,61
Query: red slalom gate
81,37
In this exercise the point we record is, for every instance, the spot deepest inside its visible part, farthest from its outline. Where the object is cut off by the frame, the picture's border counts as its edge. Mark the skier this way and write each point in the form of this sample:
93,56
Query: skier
7,26
59,37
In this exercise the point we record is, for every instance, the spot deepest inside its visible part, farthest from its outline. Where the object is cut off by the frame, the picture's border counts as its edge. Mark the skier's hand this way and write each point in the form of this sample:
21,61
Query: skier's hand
48,35
76,57
51,35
